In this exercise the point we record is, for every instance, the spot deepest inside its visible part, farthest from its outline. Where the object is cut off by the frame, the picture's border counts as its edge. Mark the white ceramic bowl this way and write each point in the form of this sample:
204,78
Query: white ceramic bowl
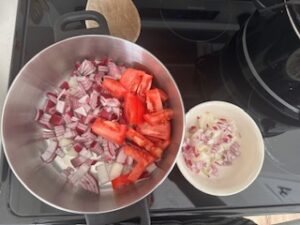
244,170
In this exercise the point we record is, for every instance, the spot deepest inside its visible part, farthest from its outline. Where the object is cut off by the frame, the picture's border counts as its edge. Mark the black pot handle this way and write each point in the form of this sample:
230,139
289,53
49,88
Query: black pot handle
137,210
61,32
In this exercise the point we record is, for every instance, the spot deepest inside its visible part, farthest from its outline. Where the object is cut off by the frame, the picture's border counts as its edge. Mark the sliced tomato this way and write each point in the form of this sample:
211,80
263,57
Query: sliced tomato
110,130
159,117
139,155
160,131
136,172
163,95
139,139
134,109
114,87
131,79
153,100
145,84
120,181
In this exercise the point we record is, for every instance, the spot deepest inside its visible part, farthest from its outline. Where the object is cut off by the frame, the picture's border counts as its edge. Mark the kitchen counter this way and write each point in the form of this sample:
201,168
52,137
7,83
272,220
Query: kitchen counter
8,10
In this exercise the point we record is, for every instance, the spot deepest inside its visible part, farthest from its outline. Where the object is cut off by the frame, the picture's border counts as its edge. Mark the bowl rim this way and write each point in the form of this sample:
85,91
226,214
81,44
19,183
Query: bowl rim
181,164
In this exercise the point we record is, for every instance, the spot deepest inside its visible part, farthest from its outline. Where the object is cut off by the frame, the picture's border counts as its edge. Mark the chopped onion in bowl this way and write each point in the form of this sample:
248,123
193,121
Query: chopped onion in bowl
210,143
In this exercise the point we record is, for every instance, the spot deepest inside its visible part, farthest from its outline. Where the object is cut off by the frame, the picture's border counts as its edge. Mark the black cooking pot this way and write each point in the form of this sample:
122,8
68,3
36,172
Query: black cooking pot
270,45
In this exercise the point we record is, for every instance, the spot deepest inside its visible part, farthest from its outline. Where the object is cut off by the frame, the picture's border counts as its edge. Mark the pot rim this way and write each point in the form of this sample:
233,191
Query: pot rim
19,75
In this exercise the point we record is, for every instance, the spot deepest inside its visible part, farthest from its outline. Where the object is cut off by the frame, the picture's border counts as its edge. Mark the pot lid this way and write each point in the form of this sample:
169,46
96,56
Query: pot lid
293,11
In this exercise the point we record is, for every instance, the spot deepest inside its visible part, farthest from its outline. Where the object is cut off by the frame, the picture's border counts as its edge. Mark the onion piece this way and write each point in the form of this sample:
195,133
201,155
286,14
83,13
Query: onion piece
113,70
129,161
84,99
59,130
48,133
103,176
67,172
64,85
60,153
45,120
78,147
78,161
38,115
56,119
115,171
86,68
81,111
49,155
89,183
85,82
122,157
60,106
78,174
69,133
93,101
62,94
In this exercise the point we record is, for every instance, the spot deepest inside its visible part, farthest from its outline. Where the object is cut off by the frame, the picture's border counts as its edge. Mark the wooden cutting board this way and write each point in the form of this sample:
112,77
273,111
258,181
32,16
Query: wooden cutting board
121,15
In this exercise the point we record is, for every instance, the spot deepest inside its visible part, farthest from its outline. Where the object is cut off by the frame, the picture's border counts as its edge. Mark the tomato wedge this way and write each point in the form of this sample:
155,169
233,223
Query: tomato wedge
160,131
136,81
139,155
159,117
111,131
134,109
153,100
139,139
136,172
114,87
120,181
131,79
145,84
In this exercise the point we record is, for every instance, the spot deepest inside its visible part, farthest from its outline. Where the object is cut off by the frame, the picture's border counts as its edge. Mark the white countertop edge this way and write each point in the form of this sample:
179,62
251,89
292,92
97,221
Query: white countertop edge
8,13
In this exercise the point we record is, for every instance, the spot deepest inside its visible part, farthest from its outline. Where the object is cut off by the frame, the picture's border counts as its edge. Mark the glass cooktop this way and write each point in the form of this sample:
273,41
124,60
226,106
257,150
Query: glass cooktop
189,38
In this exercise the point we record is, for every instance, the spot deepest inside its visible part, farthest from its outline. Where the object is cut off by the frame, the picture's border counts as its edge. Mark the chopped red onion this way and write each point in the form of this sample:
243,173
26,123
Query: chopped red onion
103,176
81,111
64,85
48,105
38,115
84,99
67,172
86,68
121,158
49,155
79,173
60,153
48,134
62,94
78,161
59,130
116,170
85,82
113,70
56,120
60,106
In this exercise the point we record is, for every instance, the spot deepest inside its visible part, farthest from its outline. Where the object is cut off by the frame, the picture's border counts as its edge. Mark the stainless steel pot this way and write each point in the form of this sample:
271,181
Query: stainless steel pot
21,135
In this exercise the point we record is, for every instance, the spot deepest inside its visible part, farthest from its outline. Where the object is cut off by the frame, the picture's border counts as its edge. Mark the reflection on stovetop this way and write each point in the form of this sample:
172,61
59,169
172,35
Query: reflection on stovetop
200,77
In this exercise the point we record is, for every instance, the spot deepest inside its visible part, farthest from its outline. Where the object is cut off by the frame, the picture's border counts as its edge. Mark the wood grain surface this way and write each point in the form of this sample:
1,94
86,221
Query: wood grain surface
121,15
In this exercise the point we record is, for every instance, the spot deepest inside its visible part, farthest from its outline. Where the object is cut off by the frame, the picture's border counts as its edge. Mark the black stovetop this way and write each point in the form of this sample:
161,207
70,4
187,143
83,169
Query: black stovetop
194,59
